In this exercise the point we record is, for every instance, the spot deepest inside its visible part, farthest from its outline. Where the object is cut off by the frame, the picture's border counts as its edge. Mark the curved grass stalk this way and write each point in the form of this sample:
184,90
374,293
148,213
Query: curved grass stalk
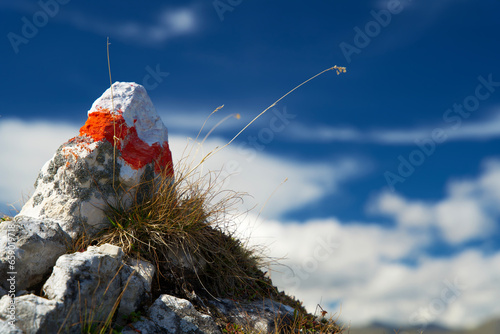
338,69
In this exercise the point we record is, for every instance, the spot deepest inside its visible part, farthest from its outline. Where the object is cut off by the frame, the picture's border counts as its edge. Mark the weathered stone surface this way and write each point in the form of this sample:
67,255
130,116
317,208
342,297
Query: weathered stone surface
34,314
260,316
143,326
90,279
29,247
88,284
175,315
122,143
7,328
137,276
72,189
83,285
94,280
129,117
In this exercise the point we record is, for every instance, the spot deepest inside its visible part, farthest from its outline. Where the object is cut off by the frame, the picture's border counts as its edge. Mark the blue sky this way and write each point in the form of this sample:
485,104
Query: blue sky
394,163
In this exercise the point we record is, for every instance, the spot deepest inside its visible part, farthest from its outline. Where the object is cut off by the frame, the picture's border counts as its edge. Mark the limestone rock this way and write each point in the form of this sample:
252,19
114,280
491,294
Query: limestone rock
5,327
122,143
83,284
175,316
260,316
94,280
143,326
78,274
29,247
137,276
33,314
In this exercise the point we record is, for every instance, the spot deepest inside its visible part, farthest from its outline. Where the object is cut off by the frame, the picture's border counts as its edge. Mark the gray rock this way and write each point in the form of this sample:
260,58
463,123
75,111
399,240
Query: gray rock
83,288
175,316
29,248
34,314
261,316
143,326
3,292
7,328
137,276
87,283
73,187
94,280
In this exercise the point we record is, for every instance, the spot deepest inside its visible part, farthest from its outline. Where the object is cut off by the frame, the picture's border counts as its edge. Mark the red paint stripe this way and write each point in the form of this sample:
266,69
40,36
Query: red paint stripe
134,151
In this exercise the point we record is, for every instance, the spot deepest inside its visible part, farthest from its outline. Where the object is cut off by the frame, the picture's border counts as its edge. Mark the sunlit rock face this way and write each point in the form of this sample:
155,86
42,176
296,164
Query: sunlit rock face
123,143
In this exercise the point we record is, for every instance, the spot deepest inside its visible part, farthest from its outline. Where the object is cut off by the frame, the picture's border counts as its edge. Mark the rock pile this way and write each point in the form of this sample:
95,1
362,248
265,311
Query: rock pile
122,144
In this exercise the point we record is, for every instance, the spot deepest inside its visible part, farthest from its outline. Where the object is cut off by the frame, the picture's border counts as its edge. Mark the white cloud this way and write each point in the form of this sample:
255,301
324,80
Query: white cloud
189,120
26,146
407,214
462,219
476,276
359,270
170,23
261,176
489,182
468,212
469,130
180,21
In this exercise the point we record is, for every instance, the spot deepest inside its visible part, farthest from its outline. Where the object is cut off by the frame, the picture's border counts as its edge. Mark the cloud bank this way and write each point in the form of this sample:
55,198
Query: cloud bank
463,131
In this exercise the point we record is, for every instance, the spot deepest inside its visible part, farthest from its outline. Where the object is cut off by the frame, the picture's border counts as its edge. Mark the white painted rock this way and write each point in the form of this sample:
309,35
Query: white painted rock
123,142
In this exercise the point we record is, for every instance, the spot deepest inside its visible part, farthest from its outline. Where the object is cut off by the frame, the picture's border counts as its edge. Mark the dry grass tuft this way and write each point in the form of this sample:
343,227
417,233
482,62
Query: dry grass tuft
183,227
5,218
299,322
308,323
